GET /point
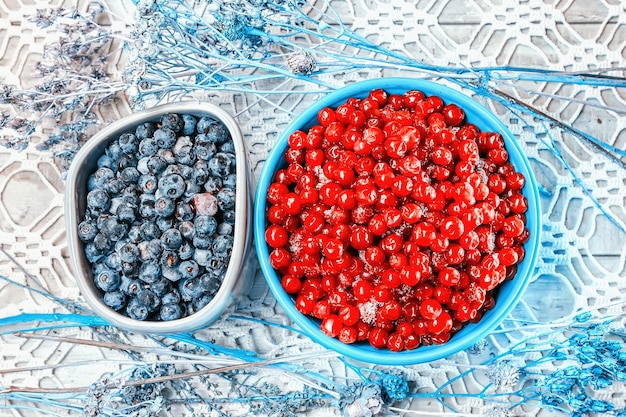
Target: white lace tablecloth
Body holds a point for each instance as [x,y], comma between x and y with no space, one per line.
[581,261]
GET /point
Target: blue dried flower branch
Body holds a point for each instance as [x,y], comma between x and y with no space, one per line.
[73,81]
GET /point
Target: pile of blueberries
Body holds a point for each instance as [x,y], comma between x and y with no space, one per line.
[159,223]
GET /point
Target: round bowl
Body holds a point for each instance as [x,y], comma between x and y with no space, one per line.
[509,292]
[235,281]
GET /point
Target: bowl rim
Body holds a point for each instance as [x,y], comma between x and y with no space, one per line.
[214,309]
[471,333]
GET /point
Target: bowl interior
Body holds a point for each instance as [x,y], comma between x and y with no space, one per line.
[85,162]
[509,292]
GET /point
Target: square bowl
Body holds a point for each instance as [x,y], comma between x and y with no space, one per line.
[234,282]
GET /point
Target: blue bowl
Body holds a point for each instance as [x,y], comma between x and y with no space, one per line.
[509,292]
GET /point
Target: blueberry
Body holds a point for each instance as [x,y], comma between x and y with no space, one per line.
[201,302]
[126,212]
[149,299]
[87,230]
[230,181]
[171,169]
[150,250]
[165,223]
[148,183]
[170,311]
[142,165]
[210,284]
[173,121]
[222,245]
[186,171]
[213,184]
[189,124]
[130,269]
[187,229]
[130,194]
[107,280]
[214,130]
[114,186]
[92,253]
[149,231]
[149,272]
[113,261]
[128,143]
[145,130]
[105,161]
[147,147]
[185,155]
[189,288]
[126,161]
[205,151]
[201,256]
[172,185]
[164,206]
[200,173]
[165,137]
[161,286]
[171,274]
[173,296]
[167,155]
[128,252]
[146,206]
[228,147]
[102,243]
[186,251]
[170,259]
[114,150]
[130,286]
[191,189]
[184,212]
[133,233]
[111,228]
[98,201]
[225,229]
[205,225]
[189,268]
[137,311]
[129,175]
[115,299]
[171,239]
[204,124]
[226,199]
[217,266]
[202,242]
[100,177]
[229,217]
[219,165]
[155,164]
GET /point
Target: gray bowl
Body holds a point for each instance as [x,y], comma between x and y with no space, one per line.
[236,281]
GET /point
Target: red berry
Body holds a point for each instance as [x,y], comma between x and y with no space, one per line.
[453,114]
[349,315]
[331,326]
[378,337]
[326,116]
[430,309]
[348,335]
[279,258]
[276,236]
[440,324]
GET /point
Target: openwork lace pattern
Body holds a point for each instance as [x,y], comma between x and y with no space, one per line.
[554,73]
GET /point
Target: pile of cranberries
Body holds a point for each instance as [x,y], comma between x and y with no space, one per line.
[395,220]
